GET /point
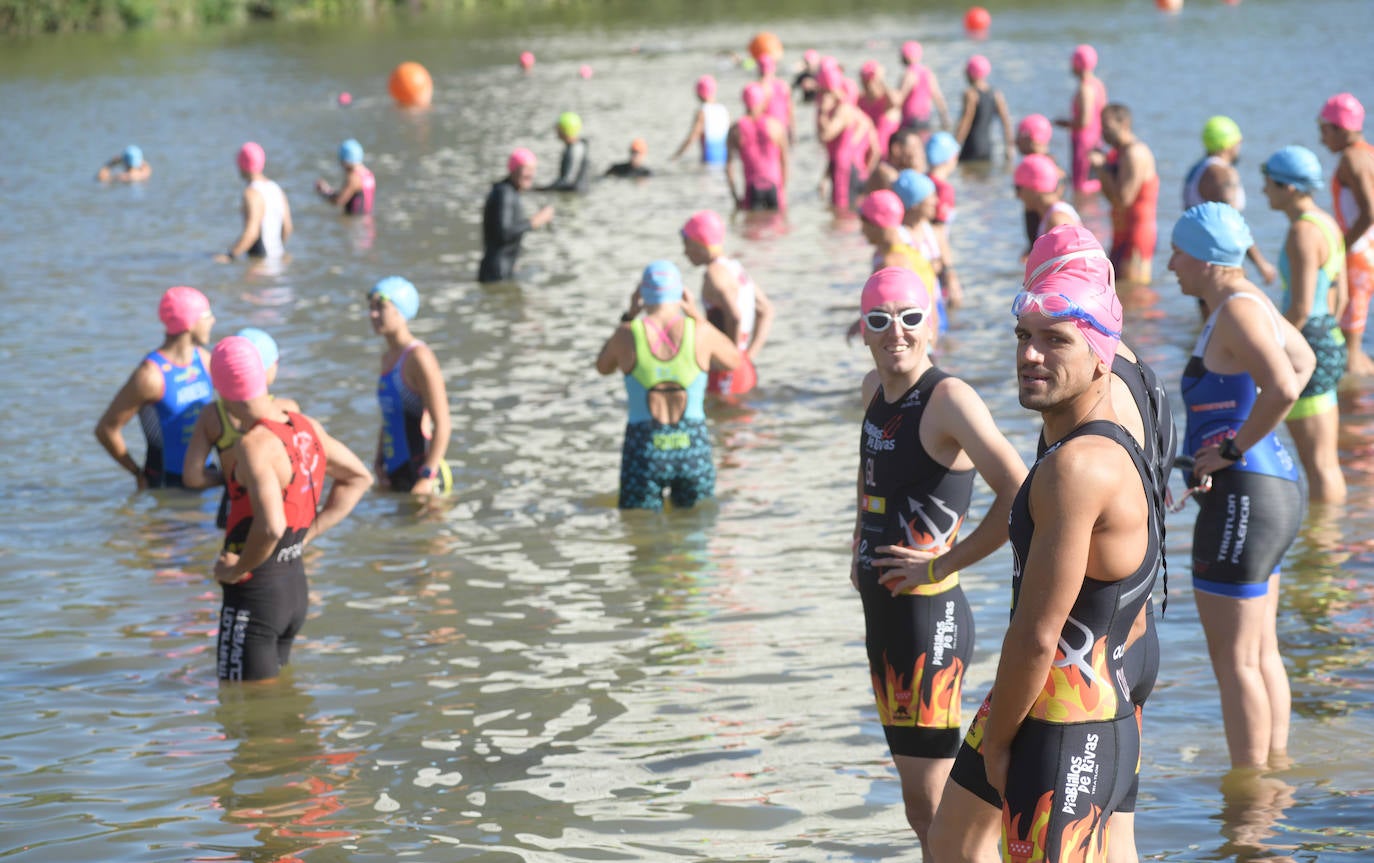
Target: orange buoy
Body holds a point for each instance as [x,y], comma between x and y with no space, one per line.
[765,43]
[977,19]
[527,60]
[1169,5]
[411,86]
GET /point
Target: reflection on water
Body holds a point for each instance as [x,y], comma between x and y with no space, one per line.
[521,672]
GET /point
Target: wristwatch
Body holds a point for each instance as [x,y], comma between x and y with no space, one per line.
[627,317]
[425,472]
[1230,451]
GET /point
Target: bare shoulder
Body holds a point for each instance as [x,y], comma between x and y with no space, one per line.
[1087,467]
[870,385]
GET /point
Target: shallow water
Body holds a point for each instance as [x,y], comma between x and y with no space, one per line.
[526,673]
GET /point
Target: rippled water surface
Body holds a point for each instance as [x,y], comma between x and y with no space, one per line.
[525,673]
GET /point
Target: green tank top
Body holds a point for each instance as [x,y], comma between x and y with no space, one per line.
[651,371]
[1327,274]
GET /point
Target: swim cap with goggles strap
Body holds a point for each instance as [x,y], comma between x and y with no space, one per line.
[660,283]
[1068,275]
[400,293]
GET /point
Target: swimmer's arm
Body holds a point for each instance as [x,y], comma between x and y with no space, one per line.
[716,346]
[1083,105]
[1339,296]
[428,381]
[721,291]
[937,96]
[1304,249]
[867,389]
[1361,185]
[253,207]
[1008,130]
[618,352]
[136,175]
[193,471]
[257,470]
[875,150]
[1110,180]
[965,422]
[342,197]
[142,387]
[1266,269]
[694,134]
[513,224]
[731,157]
[954,289]
[763,322]
[1067,497]
[287,227]
[966,118]
[829,127]
[351,481]
[378,462]
[784,154]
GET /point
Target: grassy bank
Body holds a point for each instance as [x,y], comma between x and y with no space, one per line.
[26,17]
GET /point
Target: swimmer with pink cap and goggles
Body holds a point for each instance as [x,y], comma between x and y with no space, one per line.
[1068,276]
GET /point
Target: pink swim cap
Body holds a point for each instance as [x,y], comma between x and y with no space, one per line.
[1036,127]
[1069,261]
[236,369]
[768,64]
[883,208]
[251,158]
[811,56]
[849,91]
[911,51]
[1084,58]
[180,308]
[519,158]
[868,70]
[1038,173]
[706,87]
[830,78]
[1344,111]
[894,284]
[705,227]
[754,96]
[978,67]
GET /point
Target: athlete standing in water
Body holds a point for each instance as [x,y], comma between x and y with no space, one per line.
[504,223]
[1131,185]
[982,103]
[759,143]
[166,392]
[275,490]
[574,169]
[710,126]
[924,435]
[354,197]
[1312,272]
[1040,186]
[1214,178]
[919,91]
[266,212]
[665,356]
[415,416]
[1085,117]
[735,305]
[1352,202]
[1086,544]
[905,151]
[1246,372]
[968,823]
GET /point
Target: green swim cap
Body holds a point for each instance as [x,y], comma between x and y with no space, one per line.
[570,124]
[1219,134]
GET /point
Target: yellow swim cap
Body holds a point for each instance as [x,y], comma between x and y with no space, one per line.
[1219,134]
[570,124]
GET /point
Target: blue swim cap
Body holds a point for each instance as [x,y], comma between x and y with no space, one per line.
[913,187]
[1295,166]
[266,345]
[400,293]
[941,148]
[351,152]
[133,157]
[1214,233]
[661,283]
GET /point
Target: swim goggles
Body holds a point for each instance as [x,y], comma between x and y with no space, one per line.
[878,321]
[1059,306]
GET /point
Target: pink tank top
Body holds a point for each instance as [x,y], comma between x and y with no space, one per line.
[916,108]
[759,153]
[779,101]
[362,200]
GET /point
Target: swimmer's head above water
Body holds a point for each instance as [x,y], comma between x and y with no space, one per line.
[520,168]
[252,159]
[706,88]
[1213,233]
[1084,59]
[399,292]
[1294,166]
[133,157]
[660,283]
[351,152]
[703,236]
[181,308]
[1220,134]
[569,126]
[1068,275]
[237,371]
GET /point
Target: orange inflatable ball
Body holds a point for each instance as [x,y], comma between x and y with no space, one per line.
[411,85]
[765,43]
[977,19]
[1169,5]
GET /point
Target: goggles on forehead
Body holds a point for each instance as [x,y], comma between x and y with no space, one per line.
[1059,306]
[878,321]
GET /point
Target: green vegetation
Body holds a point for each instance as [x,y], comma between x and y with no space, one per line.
[52,16]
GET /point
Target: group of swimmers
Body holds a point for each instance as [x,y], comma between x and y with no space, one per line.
[1048,768]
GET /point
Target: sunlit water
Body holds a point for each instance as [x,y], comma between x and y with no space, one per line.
[525,673]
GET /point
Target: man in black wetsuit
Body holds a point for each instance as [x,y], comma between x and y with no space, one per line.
[503,219]
[635,168]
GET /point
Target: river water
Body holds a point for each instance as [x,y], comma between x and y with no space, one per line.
[525,673]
